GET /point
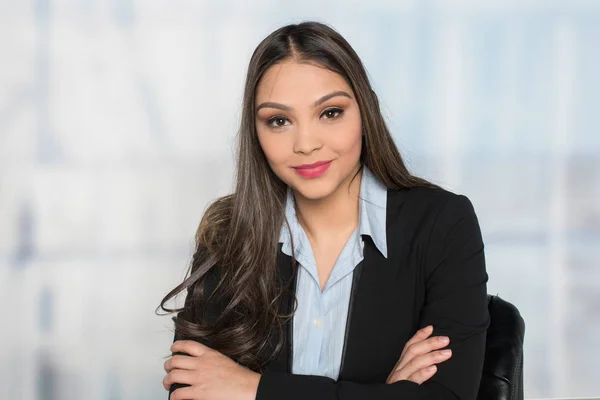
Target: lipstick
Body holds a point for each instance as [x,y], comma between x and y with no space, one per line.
[313,170]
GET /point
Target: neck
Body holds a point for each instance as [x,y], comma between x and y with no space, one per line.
[333,215]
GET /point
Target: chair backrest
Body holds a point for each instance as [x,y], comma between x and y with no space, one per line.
[502,377]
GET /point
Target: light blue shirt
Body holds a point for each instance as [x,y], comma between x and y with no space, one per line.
[320,320]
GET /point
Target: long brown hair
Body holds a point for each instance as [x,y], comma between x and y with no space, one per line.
[239,233]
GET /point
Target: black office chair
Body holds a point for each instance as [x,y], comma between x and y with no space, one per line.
[502,377]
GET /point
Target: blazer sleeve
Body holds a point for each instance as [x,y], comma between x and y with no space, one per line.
[456,306]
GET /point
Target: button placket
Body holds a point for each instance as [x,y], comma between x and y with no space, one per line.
[315,333]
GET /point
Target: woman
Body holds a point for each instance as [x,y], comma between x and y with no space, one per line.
[385,294]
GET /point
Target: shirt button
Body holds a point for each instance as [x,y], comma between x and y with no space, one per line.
[318,322]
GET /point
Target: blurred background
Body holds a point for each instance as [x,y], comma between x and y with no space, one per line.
[117,120]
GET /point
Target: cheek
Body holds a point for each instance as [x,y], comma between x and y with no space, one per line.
[347,142]
[276,149]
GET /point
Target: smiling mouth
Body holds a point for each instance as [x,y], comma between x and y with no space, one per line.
[313,165]
[313,170]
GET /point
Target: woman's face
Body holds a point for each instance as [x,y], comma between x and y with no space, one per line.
[309,127]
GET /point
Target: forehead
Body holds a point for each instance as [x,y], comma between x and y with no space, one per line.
[293,82]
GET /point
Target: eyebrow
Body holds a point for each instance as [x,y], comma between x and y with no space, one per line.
[270,104]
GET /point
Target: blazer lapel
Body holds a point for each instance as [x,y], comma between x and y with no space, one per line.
[283,361]
[354,289]
[290,325]
[362,289]
[380,317]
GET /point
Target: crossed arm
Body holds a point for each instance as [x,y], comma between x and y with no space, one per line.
[456,306]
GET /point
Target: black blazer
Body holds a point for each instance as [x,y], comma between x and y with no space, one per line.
[434,275]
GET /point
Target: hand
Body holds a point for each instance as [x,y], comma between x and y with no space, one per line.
[418,360]
[210,374]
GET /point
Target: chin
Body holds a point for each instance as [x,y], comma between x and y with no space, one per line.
[314,189]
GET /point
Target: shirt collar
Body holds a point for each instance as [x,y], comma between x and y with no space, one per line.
[371,219]
[373,210]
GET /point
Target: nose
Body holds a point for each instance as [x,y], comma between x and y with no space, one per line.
[307,139]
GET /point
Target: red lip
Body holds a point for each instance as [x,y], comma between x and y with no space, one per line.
[313,165]
[314,170]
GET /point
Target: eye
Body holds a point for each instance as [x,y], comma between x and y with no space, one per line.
[332,113]
[277,121]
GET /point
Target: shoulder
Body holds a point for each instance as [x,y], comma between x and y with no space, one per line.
[426,208]
[425,199]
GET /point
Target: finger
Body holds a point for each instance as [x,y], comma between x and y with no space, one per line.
[190,347]
[421,335]
[423,375]
[420,362]
[180,362]
[178,376]
[184,393]
[421,348]
[424,361]
[418,377]
[418,337]
[425,345]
